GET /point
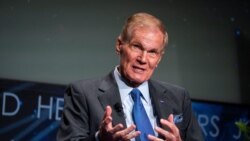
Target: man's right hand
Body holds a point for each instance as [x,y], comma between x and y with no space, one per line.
[108,132]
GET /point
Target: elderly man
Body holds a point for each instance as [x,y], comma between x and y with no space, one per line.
[127,104]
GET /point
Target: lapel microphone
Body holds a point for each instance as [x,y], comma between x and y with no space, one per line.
[118,108]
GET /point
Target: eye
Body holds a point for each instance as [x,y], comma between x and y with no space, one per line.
[153,53]
[136,47]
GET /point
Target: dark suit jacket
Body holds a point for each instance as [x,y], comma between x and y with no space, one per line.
[86,100]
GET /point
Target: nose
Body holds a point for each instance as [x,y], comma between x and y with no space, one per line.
[143,57]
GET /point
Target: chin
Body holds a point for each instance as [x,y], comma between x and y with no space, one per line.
[138,81]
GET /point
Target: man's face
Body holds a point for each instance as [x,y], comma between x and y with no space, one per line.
[140,55]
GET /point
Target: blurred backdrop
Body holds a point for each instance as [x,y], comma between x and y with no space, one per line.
[60,41]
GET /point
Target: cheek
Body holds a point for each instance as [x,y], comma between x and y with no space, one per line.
[126,60]
[129,58]
[153,64]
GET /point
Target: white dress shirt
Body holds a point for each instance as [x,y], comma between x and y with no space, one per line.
[127,101]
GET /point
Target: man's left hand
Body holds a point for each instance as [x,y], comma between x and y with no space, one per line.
[171,135]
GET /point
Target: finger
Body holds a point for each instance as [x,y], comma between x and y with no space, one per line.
[106,125]
[132,135]
[107,119]
[167,135]
[128,133]
[170,124]
[108,112]
[117,128]
[107,116]
[171,118]
[154,138]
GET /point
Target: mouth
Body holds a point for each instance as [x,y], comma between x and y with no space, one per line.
[138,69]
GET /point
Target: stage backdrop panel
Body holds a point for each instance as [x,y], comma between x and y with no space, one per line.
[31,111]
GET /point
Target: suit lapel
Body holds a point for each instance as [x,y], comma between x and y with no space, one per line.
[109,95]
[160,101]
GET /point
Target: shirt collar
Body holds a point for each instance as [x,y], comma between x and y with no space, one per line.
[125,89]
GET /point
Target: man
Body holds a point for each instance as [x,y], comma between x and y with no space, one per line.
[126,104]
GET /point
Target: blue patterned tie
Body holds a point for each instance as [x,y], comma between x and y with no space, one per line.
[140,117]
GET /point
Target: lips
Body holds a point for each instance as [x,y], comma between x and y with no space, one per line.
[138,69]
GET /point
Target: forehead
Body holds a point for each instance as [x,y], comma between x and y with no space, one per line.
[150,37]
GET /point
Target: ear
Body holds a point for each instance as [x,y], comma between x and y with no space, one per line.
[118,45]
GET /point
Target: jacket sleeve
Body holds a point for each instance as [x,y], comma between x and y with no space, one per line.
[193,131]
[74,125]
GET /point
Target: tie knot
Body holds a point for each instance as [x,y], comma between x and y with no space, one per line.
[135,93]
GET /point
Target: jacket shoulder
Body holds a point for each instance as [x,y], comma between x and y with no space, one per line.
[168,86]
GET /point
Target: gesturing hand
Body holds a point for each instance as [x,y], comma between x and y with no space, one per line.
[171,135]
[108,132]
